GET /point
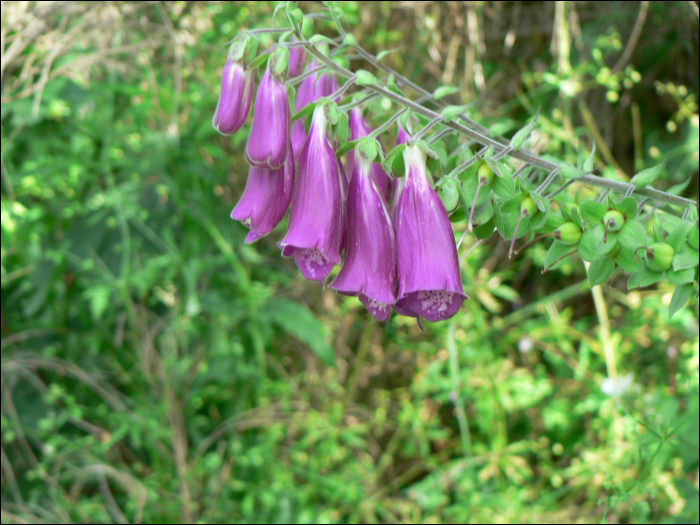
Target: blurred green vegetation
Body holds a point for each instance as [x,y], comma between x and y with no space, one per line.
[157,369]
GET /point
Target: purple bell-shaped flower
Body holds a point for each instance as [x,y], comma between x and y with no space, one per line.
[430,284]
[266,199]
[269,140]
[236,92]
[370,259]
[360,129]
[309,91]
[298,57]
[316,217]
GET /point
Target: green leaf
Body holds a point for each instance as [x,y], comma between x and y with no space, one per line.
[343,127]
[444,91]
[686,258]
[305,111]
[576,216]
[513,204]
[645,277]
[658,231]
[498,221]
[346,147]
[556,251]
[681,295]
[435,167]
[632,235]
[589,246]
[600,270]
[393,161]
[450,112]
[486,230]
[593,211]
[522,134]
[483,213]
[386,52]
[365,78]
[503,186]
[625,260]
[676,239]
[567,171]
[260,61]
[628,207]
[681,276]
[588,163]
[448,192]
[649,175]
[298,320]
[677,189]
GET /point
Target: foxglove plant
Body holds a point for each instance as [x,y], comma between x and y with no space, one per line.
[236,88]
[266,199]
[269,141]
[370,260]
[492,182]
[430,285]
[315,232]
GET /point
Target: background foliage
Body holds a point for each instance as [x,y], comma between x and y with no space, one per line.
[155,368]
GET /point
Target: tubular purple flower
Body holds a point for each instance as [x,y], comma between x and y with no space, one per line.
[316,217]
[309,91]
[430,285]
[370,260]
[266,199]
[269,140]
[235,98]
[360,129]
[297,60]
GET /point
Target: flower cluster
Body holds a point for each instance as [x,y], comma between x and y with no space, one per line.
[392,236]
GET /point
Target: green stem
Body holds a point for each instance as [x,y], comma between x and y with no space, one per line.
[457,398]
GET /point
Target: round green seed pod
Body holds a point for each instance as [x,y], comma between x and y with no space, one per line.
[528,207]
[568,233]
[485,174]
[614,220]
[659,257]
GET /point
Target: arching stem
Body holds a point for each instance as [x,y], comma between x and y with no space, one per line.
[558,260]
[538,238]
[515,233]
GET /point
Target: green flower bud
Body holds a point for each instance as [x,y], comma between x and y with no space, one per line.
[307,28]
[614,220]
[659,257]
[568,233]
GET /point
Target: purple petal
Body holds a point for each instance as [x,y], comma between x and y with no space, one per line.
[370,260]
[266,199]
[430,284]
[315,219]
[269,140]
[235,98]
